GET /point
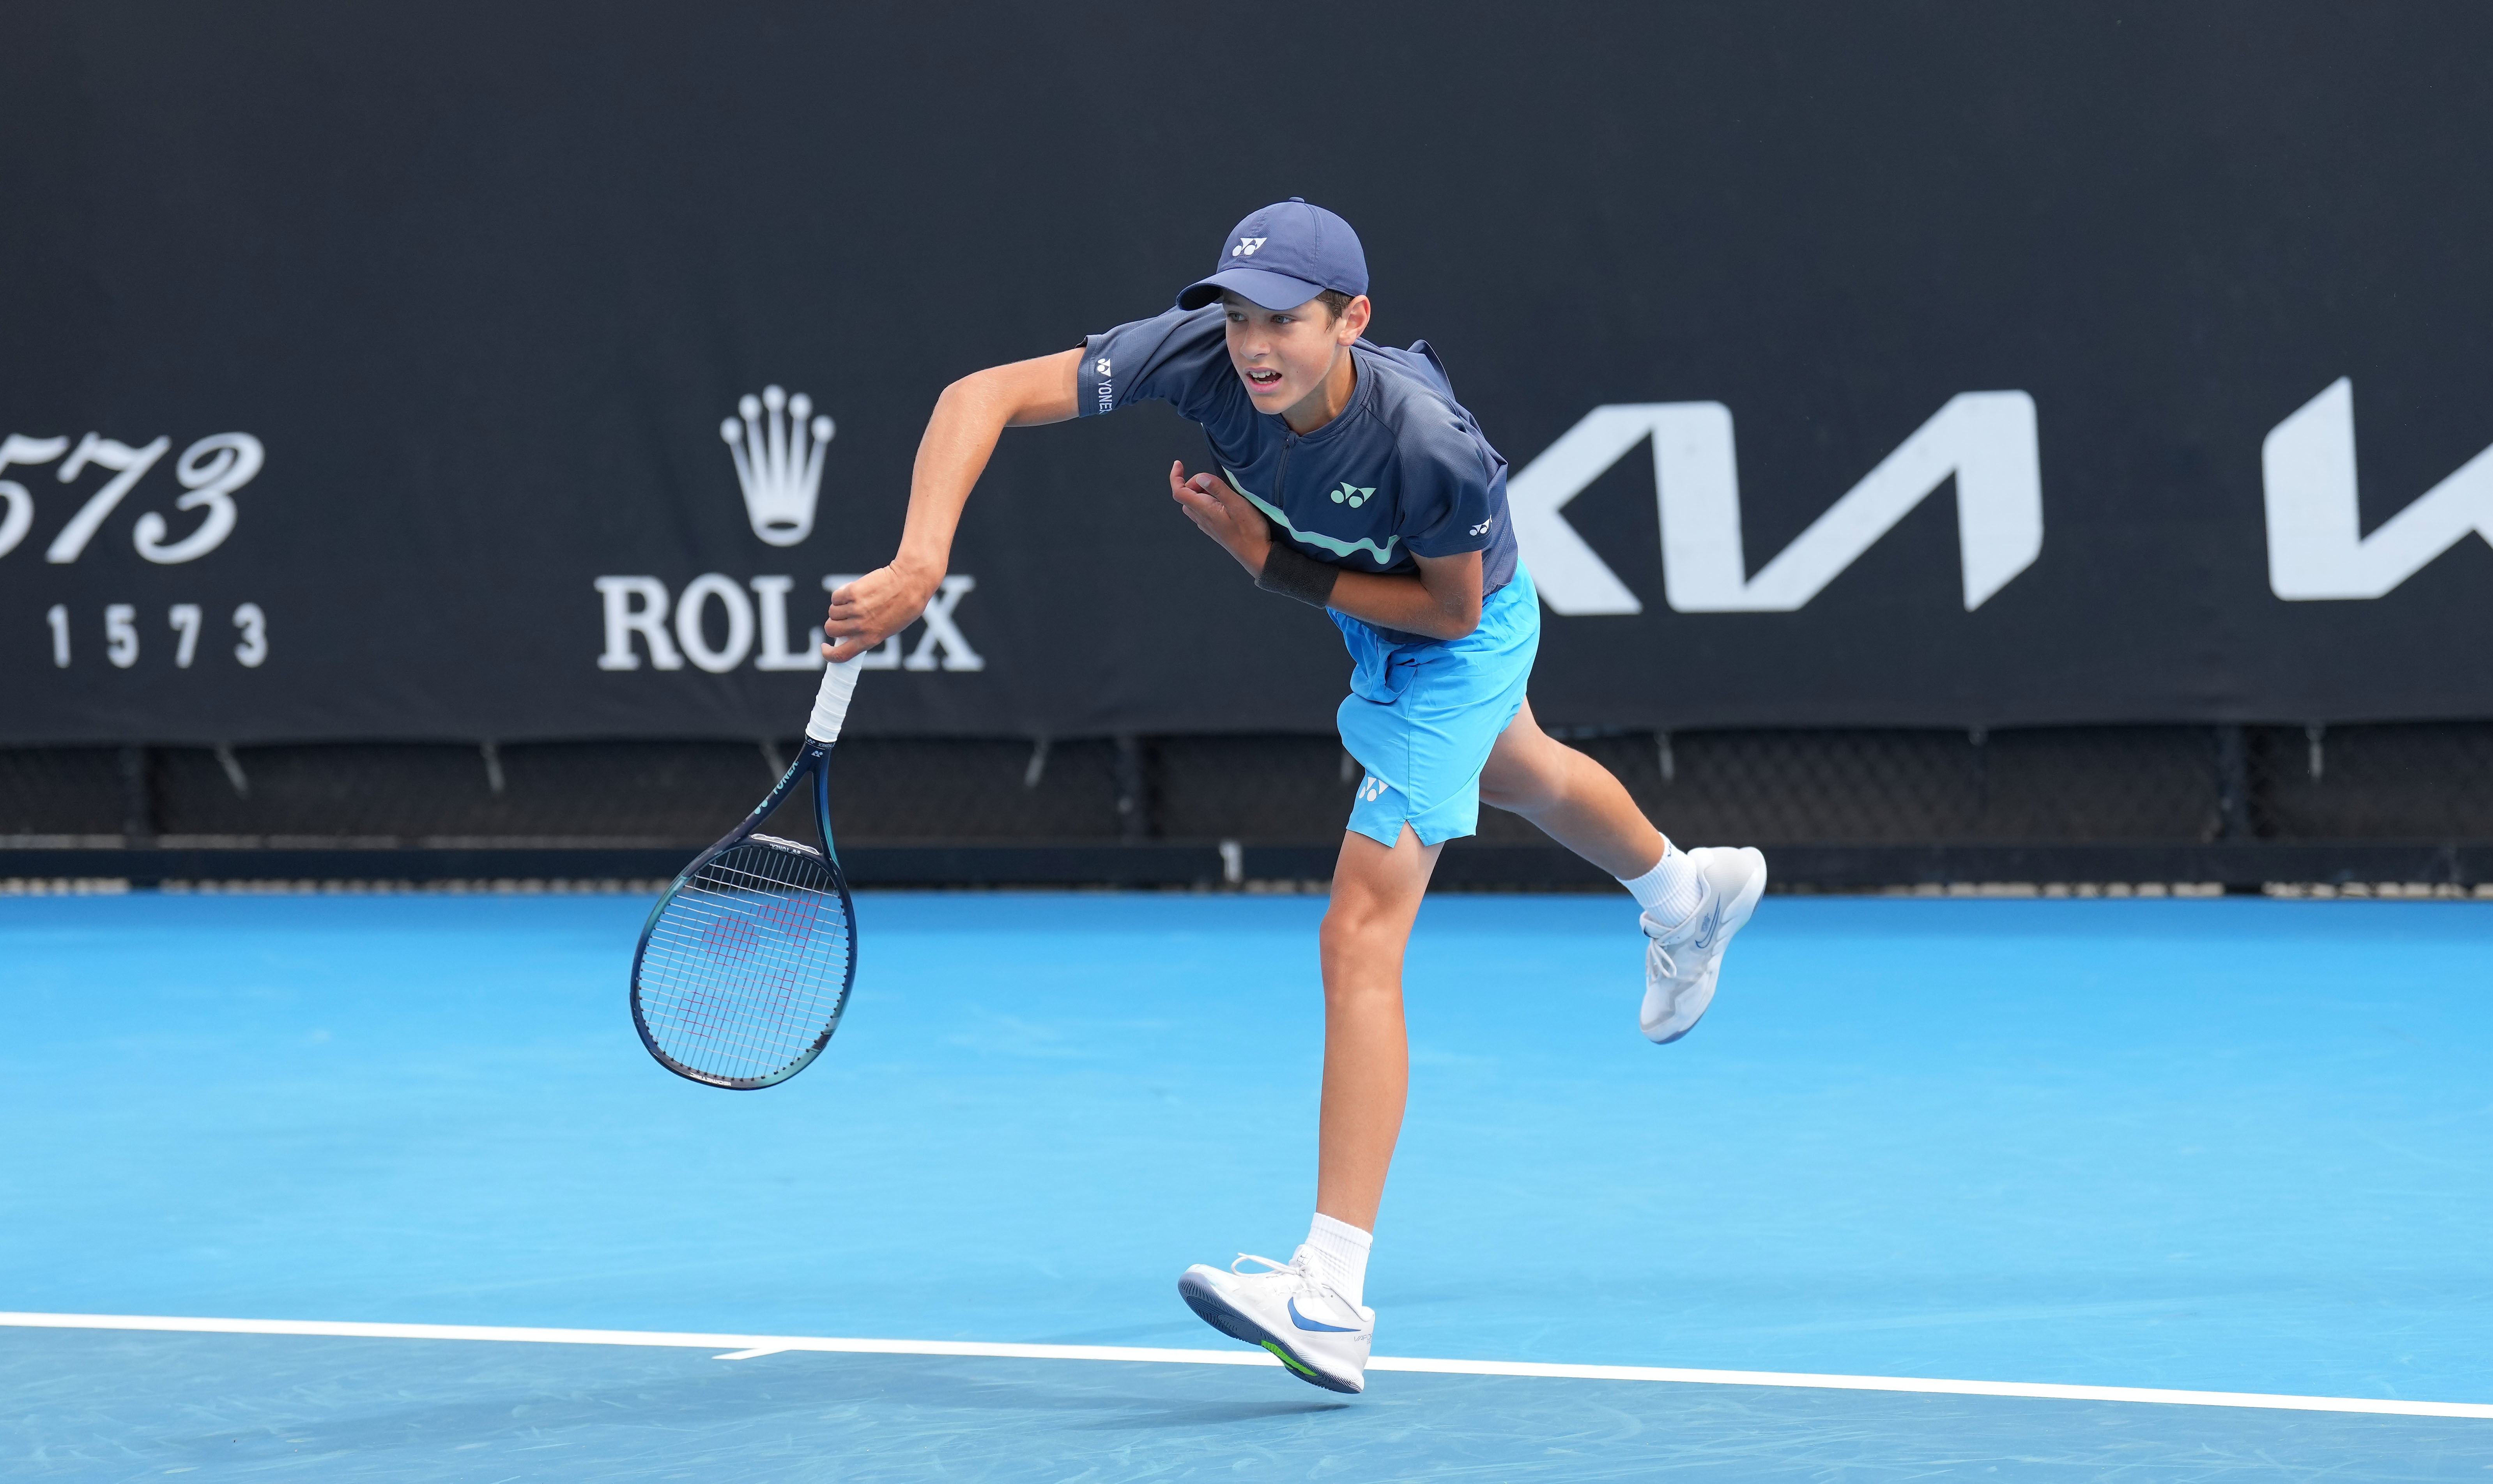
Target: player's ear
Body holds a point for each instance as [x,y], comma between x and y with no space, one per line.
[1354,320]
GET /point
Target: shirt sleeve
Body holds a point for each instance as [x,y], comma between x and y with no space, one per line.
[1180,358]
[1447,504]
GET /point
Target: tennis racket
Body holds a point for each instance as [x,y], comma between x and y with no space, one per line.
[745,963]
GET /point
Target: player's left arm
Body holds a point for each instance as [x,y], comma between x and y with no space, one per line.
[1441,600]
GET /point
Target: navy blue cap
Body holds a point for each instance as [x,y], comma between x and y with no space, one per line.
[1283,257]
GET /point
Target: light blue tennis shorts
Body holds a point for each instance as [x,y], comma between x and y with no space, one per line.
[1421,718]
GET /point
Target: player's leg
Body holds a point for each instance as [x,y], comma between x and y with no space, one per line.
[1575,800]
[1423,718]
[1376,892]
[1309,1312]
[1692,902]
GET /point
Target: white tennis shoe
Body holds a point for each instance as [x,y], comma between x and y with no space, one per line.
[1682,960]
[1321,1336]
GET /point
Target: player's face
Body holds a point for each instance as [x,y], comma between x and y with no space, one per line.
[1284,355]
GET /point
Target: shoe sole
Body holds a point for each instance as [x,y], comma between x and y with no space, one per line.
[1743,908]
[1208,1307]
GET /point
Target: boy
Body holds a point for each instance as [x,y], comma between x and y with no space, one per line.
[1350,479]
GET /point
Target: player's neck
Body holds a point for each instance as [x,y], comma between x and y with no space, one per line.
[1327,402]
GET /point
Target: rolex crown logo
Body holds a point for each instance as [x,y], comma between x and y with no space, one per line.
[779,462]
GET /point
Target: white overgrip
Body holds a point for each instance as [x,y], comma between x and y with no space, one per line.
[832,702]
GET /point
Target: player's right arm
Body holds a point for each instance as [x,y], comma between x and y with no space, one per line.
[960,437]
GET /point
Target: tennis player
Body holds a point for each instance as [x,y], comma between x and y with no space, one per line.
[1346,476]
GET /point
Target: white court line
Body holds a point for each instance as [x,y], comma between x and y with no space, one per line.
[750,1346]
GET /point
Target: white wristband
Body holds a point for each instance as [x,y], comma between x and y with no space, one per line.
[832,702]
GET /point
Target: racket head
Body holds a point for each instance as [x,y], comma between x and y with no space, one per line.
[744,966]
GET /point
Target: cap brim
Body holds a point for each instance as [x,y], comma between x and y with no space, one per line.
[1272,290]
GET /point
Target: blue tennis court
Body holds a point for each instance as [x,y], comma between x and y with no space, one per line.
[2236,1146]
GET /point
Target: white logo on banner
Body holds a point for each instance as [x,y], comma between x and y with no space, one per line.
[779,465]
[1984,439]
[209,472]
[2316,545]
[779,462]
[675,627]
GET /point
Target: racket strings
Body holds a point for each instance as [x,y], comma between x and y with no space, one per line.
[747,966]
[754,992]
[741,990]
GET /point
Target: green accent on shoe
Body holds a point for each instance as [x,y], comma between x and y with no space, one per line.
[1287,1358]
[1334,544]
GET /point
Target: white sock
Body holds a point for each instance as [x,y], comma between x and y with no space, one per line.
[1339,1253]
[1672,889]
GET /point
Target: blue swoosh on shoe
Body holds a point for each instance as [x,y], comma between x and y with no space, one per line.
[1304,1322]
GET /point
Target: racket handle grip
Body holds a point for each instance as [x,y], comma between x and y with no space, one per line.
[832,702]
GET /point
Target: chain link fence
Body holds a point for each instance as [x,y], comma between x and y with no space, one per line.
[2427,781]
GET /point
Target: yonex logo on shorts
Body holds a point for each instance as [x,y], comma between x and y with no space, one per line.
[1247,247]
[1103,366]
[1371,788]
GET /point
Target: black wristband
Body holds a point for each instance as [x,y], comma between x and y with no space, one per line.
[1293,574]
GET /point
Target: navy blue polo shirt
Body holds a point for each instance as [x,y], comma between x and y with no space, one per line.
[1402,472]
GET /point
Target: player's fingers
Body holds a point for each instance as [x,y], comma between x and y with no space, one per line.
[1212,525]
[865,589]
[855,633]
[1233,506]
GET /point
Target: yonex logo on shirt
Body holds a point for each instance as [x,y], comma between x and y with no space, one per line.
[1247,247]
[1482,529]
[1352,495]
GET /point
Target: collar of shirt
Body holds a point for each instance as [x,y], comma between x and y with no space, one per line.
[1363,392]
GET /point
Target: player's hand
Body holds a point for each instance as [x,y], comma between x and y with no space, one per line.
[872,609]
[1223,514]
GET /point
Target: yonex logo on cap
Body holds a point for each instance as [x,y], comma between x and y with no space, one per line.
[1287,253]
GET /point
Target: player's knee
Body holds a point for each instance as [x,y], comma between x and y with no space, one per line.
[1361,983]
[1346,928]
[1357,926]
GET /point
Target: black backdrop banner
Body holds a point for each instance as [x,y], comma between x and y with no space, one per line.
[409,371]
